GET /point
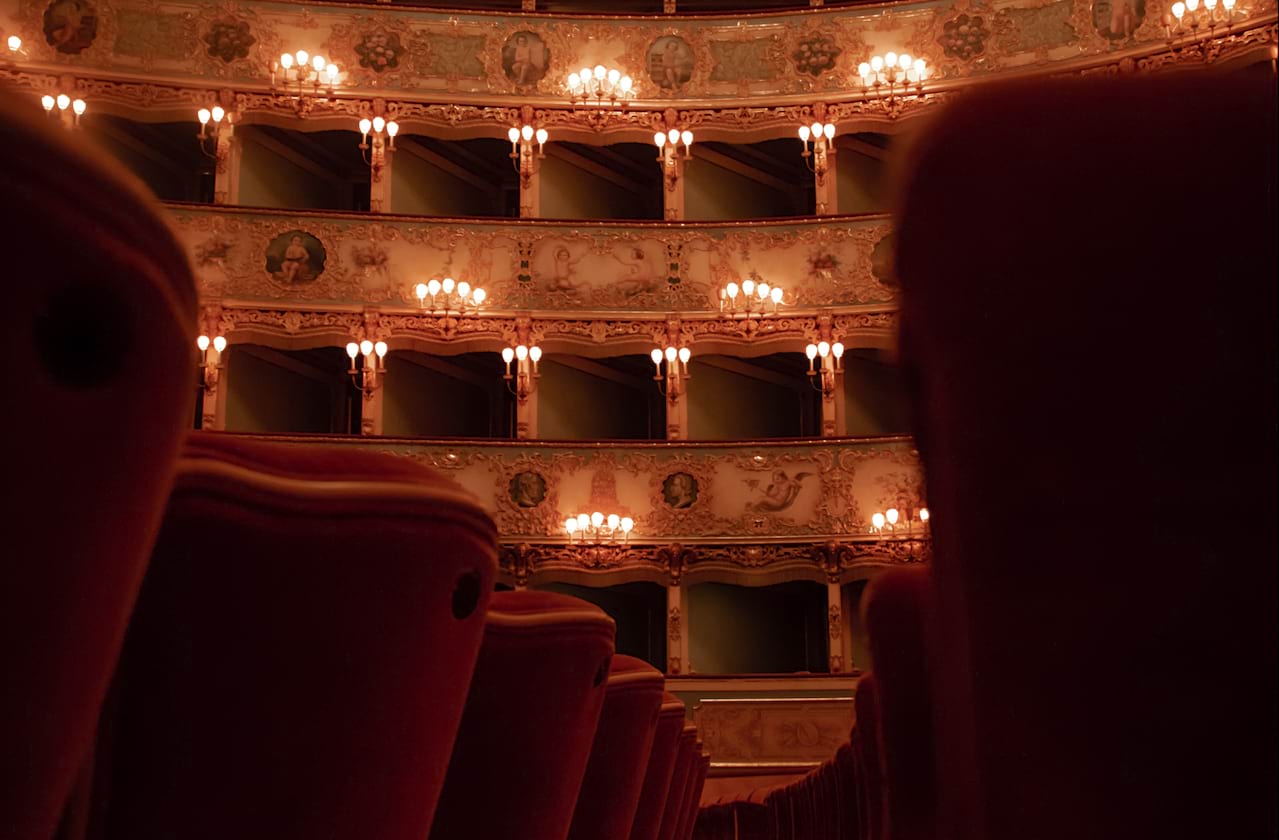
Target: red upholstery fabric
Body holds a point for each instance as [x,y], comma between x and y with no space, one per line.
[530,720]
[1089,322]
[693,793]
[661,767]
[619,755]
[684,764]
[98,350]
[288,637]
[895,609]
[866,757]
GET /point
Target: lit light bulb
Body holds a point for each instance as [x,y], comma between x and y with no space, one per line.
[574,81]
[731,288]
[613,521]
[671,354]
[686,137]
[890,59]
[614,76]
[463,289]
[748,286]
[627,524]
[762,290]
[920,67]
[597,519]
[903,61]
[585,74]
[352,350]
[392,128]
[202,342]
[47,102]
[478,296]
[380,348]
[685,354]
[863,70]
[583,521]
[219,343]
[78,106]
[600,72]
[823,348]
[217,113]
[507,354]
[365,125]
[542,134]
[1178,9]
[447,285]
[811,352]
[378,124]
[286,61]
[804,133]
[521,352]
[535,353]
[63,101]
[433,287]
[15,43]
[923,514]
[777,294]
[203,116]
[656,356]
[673,135]
[513,135]
[626,84]
[570,525]
[366,347]
[302,57]
[332,72]
[891,515]
[420,290]
[1192,5]
[876,64]
[829,131]
[837,349]
[877,520]
[527,133]
[659,139]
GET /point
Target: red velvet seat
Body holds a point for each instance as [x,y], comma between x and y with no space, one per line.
[99,355]
[619,755]
[1089,297]
[661,767]
[693,793]
[298,660]
[866,758]
[530,720]
[685,763]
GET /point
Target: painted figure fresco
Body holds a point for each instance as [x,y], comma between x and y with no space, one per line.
[670,62]
[228,40]
[70,26]
[528,489]
[679,490]
[882,261]
[1117,20]
[780,494]
[295,257]
[525,58]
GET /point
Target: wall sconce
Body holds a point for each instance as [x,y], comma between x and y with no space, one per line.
[600,85]
[753,298]
[823,136]
[383,133]
[522,154]
[1193,14]
[449,298]
[830,366]
[70,109]
[894,522]
[210,363]
[299,71]
[14,43]
[368,377]
[598,528]
[212,122]
[672,384]
[667,153]
[892,74]
[524,381]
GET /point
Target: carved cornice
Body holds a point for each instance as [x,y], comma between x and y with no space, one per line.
[674,564]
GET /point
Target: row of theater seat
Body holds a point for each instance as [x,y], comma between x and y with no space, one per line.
[346,671]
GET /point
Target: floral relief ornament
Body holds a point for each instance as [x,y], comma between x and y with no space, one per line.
[816,54]
[964,36]
[379,50]
[228,39]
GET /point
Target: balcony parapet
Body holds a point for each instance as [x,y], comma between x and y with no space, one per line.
[753,512]
[614,284]
[460,73]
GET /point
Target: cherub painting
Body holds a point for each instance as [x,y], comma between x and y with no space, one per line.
[70,26]
[525,57]
[565,265]
[780,493]
[295,257]
[641,274]
[670,62]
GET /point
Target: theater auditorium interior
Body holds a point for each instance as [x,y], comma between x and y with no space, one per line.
[644,420]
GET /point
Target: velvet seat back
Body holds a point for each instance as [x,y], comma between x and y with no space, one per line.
[693,793]
[298,660]
[661,766]
[530,720]
[685,758]
[99,366]
[1089,296]
[614,777]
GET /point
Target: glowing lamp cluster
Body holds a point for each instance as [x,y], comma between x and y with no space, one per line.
[216,115]
[752,297]
[816,131]
[598,527]
[892,520]
[379,126]
[892,70]
[65,105]
[527,134]
[673,138]
[369,376]
[14,43]
[210,360]
[1193,14]
[449,296]
[523,382]
[599,85]
[825,362]
[302,67]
